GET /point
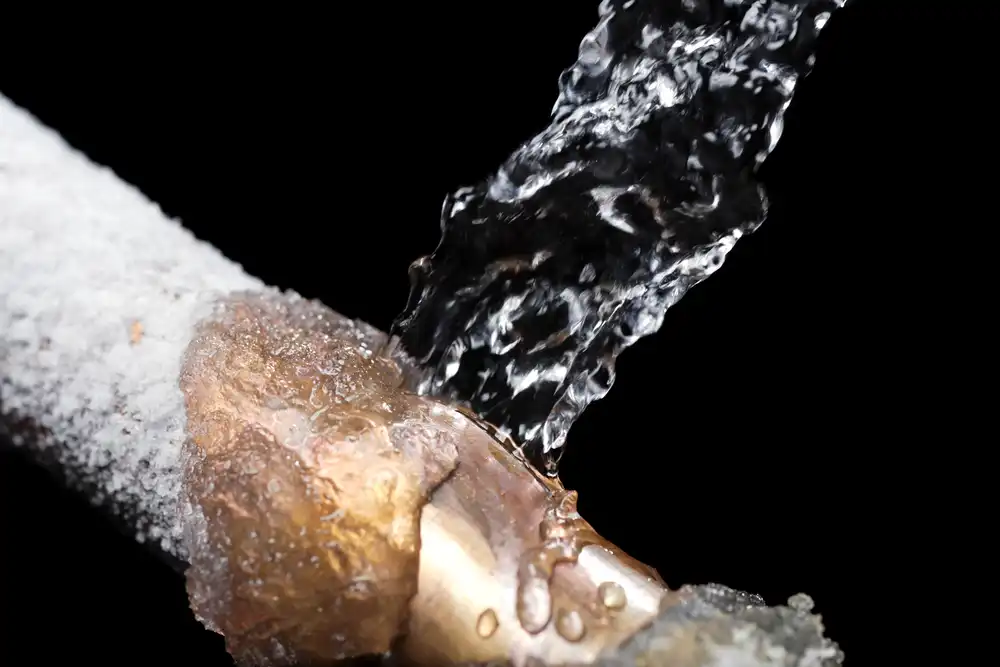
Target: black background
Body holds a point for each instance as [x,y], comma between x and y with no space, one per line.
[747,443]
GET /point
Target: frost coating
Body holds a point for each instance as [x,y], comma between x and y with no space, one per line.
[309,466]
[637,190]
[716,626]
[100,294]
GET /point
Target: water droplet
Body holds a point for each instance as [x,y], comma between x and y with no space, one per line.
[612,595]
[569,625]
[801,603]
[564,534]
[534,605]
[487,624]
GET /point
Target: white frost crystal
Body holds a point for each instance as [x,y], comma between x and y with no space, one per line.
[99,296]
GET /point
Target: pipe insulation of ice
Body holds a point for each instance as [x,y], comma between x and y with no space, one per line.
[99,296]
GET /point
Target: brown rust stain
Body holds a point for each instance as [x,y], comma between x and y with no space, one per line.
[135,332]
[307,469]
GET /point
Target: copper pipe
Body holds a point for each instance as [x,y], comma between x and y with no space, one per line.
[335,512]
[442,551]
[482,526]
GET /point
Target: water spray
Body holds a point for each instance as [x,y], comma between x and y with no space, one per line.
[326,493]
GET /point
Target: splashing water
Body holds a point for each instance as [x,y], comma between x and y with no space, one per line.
[637,190]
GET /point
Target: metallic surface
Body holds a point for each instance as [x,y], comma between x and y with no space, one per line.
[475,531]
[333,513]
[307,468]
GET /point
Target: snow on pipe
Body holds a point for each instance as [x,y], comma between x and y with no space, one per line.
[188,398]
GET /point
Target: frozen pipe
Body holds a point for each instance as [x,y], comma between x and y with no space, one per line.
[261,441]
[99,297]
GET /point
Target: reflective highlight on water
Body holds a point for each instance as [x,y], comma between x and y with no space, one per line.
[487,624]
[570,625]
[637,190]
[612,595]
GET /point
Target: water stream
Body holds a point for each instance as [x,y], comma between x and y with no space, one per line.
[636,191]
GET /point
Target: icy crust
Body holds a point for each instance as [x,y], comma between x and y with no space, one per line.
[99,297]
[308,467]
[716,626]
[637,190]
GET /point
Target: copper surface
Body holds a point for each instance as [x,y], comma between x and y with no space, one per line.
[335,514]
[475,532]
[308,468]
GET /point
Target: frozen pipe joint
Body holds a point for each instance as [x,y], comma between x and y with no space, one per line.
[307,470]
[320,509]
[310,470]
